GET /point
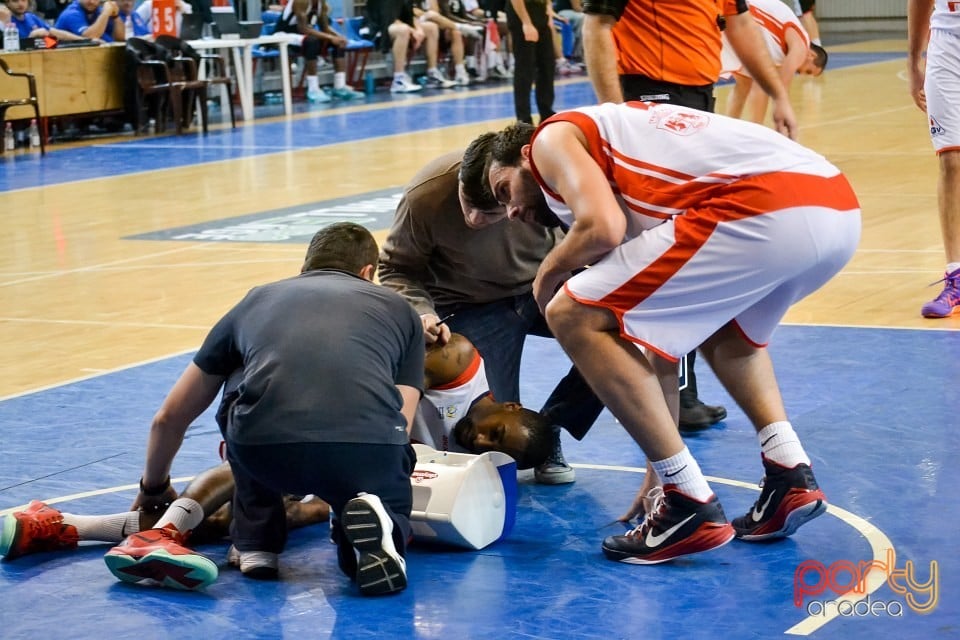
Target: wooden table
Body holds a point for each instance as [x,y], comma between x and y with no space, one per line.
[69,81]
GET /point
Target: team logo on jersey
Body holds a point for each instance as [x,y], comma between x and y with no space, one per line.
[451,411]
[420,475]
[682,123]
[935,128]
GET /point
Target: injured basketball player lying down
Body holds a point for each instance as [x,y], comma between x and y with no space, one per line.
[464,485]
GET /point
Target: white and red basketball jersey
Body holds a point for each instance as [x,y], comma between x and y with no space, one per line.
[662,159]
[946,16]
[442,407]
[775,20]
[726,221]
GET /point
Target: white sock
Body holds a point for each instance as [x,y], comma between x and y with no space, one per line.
[433,72]
[183,513]
[460,71]
[339,79]
[313,83]
[399,76]
[779,443]
[111,528]
[683,471]
[953,266]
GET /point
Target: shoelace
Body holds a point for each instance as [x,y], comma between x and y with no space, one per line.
[951,292]
[45,526]
[651,518]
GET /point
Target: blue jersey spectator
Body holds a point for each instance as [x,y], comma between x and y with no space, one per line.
[88,19]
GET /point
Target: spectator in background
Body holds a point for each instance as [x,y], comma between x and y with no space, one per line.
[532,35]
[572,12]
[428,13]
[392,25]
[90,19]
[145,11]
[311,19]
[141,28]
[30,24]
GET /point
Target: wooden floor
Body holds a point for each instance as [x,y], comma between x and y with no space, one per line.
[79,297]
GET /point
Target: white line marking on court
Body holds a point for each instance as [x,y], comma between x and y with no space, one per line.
[877,539]
[100,323]
[88,494]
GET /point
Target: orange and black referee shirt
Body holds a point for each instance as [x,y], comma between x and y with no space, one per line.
[675,41]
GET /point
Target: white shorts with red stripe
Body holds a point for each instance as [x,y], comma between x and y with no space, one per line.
[673,286]
[942,88]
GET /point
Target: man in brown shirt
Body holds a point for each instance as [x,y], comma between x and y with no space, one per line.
[483,277]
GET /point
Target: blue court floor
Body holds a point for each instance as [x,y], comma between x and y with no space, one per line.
[877,410]
[882,438]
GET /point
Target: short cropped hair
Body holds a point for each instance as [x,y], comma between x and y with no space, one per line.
[509,142]
[819,56]
[473,172]
[541,442]
[342,245]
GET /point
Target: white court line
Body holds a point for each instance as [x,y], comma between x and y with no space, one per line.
[878,540]
[102,323]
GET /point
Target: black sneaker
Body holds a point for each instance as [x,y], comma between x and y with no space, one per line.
[677,526]
[698,416]
[790,498]
[368,527]
[555,470]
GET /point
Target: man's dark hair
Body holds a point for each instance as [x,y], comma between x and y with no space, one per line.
[541,442]
[473,172]
[819,55]
[507,144]
[342,245]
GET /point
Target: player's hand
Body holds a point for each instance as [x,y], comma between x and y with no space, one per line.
[151,500]
[545,286]
[916,74]
[433,331]
[643,502]
[784,120]
[111,9]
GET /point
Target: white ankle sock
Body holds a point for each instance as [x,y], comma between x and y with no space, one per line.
[110,528]
[683,471]
[339,79]
[183,513]
[953,266]
[779,443]
[313,83]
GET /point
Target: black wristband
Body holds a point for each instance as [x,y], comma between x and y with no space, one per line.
[152,491]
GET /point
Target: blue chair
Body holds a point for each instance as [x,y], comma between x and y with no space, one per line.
[260,51]
[566,37]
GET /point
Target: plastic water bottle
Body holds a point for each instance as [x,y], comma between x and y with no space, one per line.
[9,142]
[128,26]
[11,37]
[152,127]
[369,85]
[34,134]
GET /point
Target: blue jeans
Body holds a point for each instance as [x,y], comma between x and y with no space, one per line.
[498,330]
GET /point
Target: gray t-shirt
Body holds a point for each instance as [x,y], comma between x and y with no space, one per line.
[321,354]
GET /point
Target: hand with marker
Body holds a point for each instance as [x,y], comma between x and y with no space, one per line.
[435,328]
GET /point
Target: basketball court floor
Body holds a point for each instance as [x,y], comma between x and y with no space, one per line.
[116,257]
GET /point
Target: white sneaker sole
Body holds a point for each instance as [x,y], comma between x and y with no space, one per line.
[380,570]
